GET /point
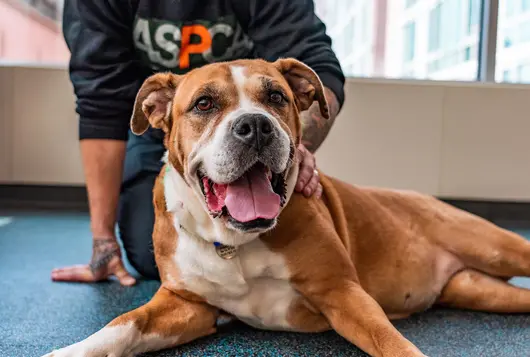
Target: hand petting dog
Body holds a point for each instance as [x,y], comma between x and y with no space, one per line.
[308,179]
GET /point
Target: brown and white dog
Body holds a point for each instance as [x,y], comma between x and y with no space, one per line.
[231,237]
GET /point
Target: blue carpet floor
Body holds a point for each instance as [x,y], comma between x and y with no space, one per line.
[37,315]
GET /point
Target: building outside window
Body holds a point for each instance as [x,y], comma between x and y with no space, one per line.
[435,39]
[445,43]
[513,40]
[30,32]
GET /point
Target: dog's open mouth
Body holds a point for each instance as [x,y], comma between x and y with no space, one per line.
[253,200]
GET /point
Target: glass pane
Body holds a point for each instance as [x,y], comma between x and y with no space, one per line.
[513,42]
[422,39]
[409,3]
[30,32]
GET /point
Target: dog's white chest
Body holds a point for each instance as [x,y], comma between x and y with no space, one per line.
[253,286]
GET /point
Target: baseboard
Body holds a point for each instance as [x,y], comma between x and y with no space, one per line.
[74,198]
[505,213]
[43,197]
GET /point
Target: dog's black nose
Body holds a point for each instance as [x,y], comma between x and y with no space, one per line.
[255,130]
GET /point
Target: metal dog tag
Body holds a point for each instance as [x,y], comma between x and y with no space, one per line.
[226,251]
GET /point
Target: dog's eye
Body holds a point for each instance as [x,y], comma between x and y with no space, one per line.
[275,97]
[204,104]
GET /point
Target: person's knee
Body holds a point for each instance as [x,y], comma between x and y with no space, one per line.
[144,263]
[135,222]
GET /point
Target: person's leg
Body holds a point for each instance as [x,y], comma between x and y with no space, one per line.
[135,224]
[136,212]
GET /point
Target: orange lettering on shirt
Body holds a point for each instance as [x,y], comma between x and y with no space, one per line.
[186,48]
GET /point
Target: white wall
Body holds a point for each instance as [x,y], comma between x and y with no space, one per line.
[38,127]
[459,140]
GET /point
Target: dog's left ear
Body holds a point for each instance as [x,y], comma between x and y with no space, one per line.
[153,103]
[304,83]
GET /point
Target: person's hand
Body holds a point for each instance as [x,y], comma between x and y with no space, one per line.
[308,178]
[106,262]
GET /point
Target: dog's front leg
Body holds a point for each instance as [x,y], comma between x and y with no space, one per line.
[356,316]
[167,320]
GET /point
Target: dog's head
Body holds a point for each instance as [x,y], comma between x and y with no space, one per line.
[231,131]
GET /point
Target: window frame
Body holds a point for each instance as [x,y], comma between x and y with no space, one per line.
[487,46]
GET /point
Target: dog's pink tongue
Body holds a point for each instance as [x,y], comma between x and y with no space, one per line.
[251,197]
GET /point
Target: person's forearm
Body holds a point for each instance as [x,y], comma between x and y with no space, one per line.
[315,128]
[103,167]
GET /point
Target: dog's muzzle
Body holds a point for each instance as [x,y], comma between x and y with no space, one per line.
[244,178]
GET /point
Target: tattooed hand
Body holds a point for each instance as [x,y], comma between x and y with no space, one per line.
[106,261]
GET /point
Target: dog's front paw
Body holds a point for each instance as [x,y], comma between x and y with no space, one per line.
[78,350]
[87,348]
[412,352]
[117,341]
[69,351]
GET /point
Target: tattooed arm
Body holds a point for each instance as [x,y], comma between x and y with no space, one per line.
[315,128]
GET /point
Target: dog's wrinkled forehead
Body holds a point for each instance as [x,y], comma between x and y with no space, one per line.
[233,84]
[250,73]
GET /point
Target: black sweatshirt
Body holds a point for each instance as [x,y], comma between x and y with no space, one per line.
[116,44]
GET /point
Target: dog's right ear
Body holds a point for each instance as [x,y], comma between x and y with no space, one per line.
[153,103]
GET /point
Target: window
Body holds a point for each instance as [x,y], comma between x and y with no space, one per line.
[523,73]
[511,7]
[507,41]
[434,28]
[409,3]
[507,76]
[38,37]
[524,32]
[435,39]
[409,41]
[513,41]
[350,36]
[473,15]
[46,8]
[365,23]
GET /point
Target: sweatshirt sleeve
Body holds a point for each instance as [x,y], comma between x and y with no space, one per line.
[102,69]
[291,28]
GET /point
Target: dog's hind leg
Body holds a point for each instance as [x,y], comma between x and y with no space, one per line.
[167,320]
[483,246]
[473,290]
